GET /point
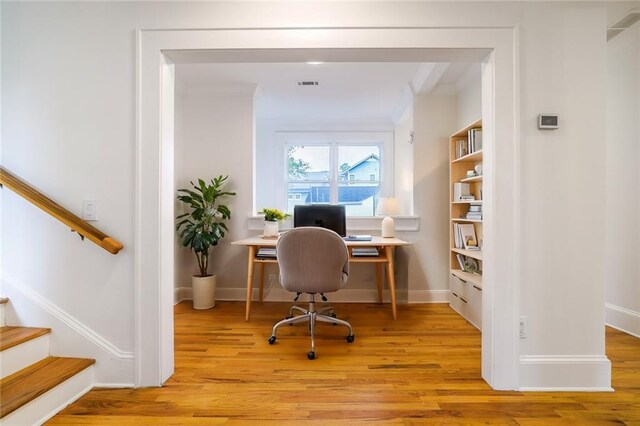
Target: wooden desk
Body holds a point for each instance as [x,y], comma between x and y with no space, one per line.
[385,248]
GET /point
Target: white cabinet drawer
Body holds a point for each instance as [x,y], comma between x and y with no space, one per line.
[458,286]
[474,307]
[459,304]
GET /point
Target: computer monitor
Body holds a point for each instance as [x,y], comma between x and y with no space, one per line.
[323,215]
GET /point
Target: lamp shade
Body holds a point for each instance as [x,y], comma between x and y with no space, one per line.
[388,206]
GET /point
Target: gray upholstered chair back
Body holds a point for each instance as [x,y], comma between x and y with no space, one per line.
[312,260]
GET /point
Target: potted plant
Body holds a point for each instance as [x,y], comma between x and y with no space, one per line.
[271,219]
[202,228]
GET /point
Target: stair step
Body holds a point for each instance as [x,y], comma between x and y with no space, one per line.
[3,301]
[29,383]
[12,336]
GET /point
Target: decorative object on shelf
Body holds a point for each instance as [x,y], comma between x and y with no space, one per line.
[271,219]
[478,169]
[202,228]
[388,206]
[470,265]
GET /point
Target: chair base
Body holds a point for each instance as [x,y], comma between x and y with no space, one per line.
[312,316]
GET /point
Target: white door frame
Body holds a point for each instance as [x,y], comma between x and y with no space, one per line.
[155,234]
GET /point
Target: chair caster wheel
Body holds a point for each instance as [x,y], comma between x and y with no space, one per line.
[351,338]
[272,340]
[311,355]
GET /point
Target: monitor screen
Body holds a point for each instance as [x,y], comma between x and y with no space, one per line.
[324,215]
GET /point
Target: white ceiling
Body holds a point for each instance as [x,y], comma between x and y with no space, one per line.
[346,91]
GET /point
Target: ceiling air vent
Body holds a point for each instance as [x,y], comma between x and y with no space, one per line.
[628,20]
[307,83]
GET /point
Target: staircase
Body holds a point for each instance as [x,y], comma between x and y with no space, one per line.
[34,385]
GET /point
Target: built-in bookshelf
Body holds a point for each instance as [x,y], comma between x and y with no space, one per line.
[465,224]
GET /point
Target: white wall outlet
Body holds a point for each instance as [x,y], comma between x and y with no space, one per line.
[90,210]
[523,327]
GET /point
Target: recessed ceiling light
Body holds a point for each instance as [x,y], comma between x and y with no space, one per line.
[315,62]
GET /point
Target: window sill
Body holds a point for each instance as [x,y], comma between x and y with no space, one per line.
[354,223]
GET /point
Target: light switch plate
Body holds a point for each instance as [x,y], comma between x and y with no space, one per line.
[90,210]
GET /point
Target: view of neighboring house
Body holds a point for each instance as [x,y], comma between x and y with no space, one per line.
[358,188]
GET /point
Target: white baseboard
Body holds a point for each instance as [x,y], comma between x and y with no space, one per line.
[429,296]
[278,294]
[69,336]
[588,373]
[622,319]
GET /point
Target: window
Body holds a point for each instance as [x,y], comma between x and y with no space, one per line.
[345,173]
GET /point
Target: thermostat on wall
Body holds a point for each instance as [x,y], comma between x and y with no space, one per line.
[547,121]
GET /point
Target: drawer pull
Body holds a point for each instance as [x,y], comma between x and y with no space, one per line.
[455,295]
[462,280]
[463,300]
[477,288]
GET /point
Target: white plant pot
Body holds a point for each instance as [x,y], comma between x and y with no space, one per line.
[270,228]
[204,292]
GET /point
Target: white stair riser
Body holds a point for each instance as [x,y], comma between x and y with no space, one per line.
[21,356]
[52,401]
[2,317]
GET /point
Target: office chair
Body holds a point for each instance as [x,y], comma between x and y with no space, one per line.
[312,260]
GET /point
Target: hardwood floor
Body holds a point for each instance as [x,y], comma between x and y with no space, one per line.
[422,368]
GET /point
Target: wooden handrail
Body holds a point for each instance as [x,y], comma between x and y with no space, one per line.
[41,201]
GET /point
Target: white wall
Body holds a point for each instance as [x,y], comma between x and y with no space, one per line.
[623,176]
[434,119]
[469,93]
[69,128]
[403,158]
[216,138]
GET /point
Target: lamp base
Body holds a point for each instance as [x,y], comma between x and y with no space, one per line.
[388,227]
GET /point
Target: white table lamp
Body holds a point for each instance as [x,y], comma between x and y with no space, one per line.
[388,206]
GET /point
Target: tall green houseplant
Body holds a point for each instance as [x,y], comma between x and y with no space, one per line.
[204,226]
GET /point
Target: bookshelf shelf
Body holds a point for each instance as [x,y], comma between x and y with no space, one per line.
[474,156]
[463,219]
[476,254]
[465,155]
[467,202]
[472,179]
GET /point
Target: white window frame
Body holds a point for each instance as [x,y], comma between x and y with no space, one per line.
[352,177]
[384,141]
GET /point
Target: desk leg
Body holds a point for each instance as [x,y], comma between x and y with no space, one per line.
[260,280]
[379,278]
[391,279]
[252,256]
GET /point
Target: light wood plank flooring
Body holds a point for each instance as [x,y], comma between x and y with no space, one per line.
[422,368]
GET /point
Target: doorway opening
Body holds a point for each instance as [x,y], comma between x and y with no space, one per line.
[161,50]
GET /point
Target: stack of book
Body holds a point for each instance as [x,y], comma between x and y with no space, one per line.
[462,192]
[465,236]
[475,212]
[474,140]
[266,253]
[461,148]
[365,252]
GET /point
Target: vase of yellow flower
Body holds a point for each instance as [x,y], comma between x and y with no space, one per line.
[272,219]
